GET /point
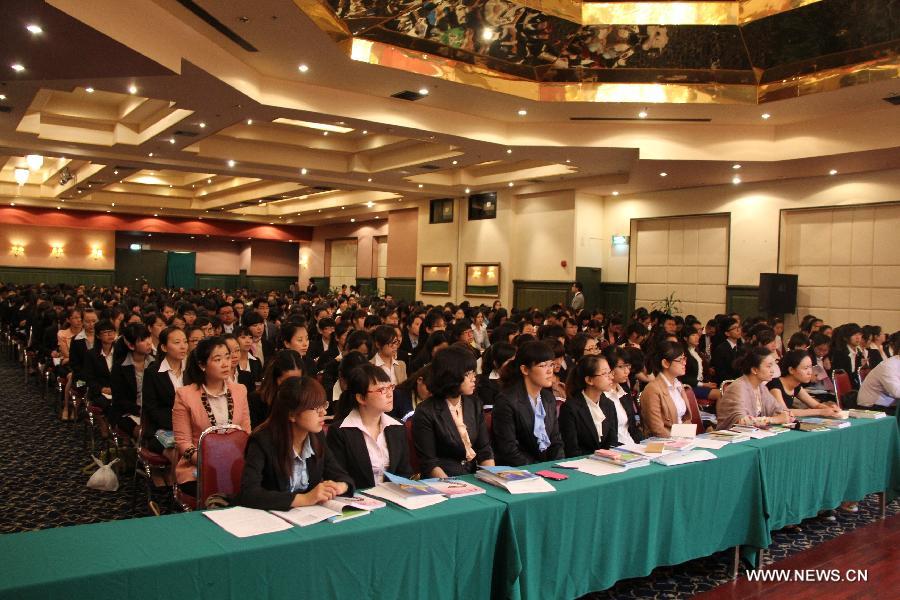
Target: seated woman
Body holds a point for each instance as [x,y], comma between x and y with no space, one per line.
[627,409]
[161,379]
[693,373]
[130,357]
[747,401]
[287,463]
[386,343]
[449,430]
[587,419]
[366,441]
[582,345]
[284,364]
[249,369]
[98,364]
[525,423]
[796,366]
[411,393]
[295,337]
[207,400]
[875,352]
[487,384]
[663,401]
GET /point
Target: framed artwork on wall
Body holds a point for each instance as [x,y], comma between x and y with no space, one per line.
[436,279]
[483,279]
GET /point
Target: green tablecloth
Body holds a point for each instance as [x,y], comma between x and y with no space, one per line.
[444,551]
[805,472]
[594,531]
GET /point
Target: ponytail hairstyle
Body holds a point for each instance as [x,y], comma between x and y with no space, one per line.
[667,351]
[586,367]
[497,354]
[792,360]
[529,354]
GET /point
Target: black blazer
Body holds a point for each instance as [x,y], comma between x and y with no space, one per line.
[264,486]
[840,359]
[577,428]
[513,423]
[406,351]
[723,362]
[438,442]
[691,370]
[631,409]
[158,399]
[349,449]
[874,357]
[487,389]
[317,351]
[124,391]
[403,403]
[77,351]
[97,376]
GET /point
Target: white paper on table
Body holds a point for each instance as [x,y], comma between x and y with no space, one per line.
[684,430]
[593,467]
[306,515]
[709,444]
[412,502]
[241,521]
[683,458]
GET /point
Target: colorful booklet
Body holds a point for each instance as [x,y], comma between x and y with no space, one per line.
[801,426]
[620,458]
[514,481]
[860,413]
[454,488]
[829,423]
[356,502]
[732,437]
[755,433]
[406,492]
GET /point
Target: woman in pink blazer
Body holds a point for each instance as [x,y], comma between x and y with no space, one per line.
[209,399]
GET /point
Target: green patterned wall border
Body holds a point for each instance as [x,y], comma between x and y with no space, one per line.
[540,294]
[742,299]
[401,288]
[23,275]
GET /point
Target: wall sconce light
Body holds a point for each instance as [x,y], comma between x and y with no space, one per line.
[18,250]
[21,175]
[96,253]
[304,261]
[57,251]
[620,240]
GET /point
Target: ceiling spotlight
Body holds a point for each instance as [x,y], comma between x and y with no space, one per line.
[202,125]
[832,172]
[115,172]
[365,131]
[370,204]
[35,29]
[303,171]
[209,181]
[522,112]
[421,186]
[735,167]
[468,190]
[343,207]
[487,34]
[376,216]
[21,176]
[568,161]
[324,133]
[615,192]
[12,203]
[149,154]
[353,220]
[231,163]
[303,68]
[2,96]
[89,90]
[17,68]
[765,116]
[423,91]
[510,184]
[172,140]
[132,89]
[509,150]
[155,214]
[455,162]
[643,114]
[663,174]
[369,180]
[34,161]
[249,121]
[735,180]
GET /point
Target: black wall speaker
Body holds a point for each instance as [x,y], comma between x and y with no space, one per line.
[777,293]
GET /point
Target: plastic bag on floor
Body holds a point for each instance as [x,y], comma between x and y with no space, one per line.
[104,478]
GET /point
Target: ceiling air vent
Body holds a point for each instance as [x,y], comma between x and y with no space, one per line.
[430,167]
[323,189]
[5,109]
[184,133]
[893,99]
[408,95]
[217,25]
[701,120]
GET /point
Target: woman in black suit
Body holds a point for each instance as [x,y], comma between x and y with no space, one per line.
[488,383]
[847,353]
[98,363]
[587,419]
[249,369]
[131,356]
[449,430]
[526,397]
[161,380]
[627,409]
[366,441]
[287,463]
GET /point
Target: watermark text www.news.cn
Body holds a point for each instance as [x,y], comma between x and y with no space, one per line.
[810,575]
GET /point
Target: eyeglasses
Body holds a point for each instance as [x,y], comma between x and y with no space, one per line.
[384,390]
[548,364]
[680,359]
[322,409]
[623,366]
[603,374]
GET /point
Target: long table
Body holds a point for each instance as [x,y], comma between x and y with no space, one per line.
[590,533]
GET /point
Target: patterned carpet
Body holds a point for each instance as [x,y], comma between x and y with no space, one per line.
[43,485]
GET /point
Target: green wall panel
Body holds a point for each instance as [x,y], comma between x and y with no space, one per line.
[212,280]
[589,278]
[23,275]
[367,286]
[264,283]
[540,294]
[742,299]
[617,297]
[401,288]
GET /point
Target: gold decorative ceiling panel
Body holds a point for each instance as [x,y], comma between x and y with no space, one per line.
[567,50]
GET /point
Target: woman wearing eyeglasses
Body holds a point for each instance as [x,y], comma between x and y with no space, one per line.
[366,441]
[449,429]
[287,463]
[587,420]
[386,344]
[663,401]
[626,408]
[526,428]
[748,401]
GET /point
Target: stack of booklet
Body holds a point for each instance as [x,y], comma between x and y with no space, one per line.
[729,437]
[824,422]
[406,492]
[514,481]
[682,458]
[334,511]
[860,413]
[621,458]
[454,488]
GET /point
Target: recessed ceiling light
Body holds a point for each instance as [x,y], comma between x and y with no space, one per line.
[109,211]
[209,181]
[249,121]
[320,210]
[324,133]
[170,185]
[455,162]
[202,125]
[303,171]
[369,180]
[643,114]
[353,220]
[35,29]
[303,68]
[172,140]
[132,89]
[423,91]
[765,115]
[12,203]
[522,112]
[113,204]
[832,172]
[510,184]
[376,217]
[231,163]
[615,192]
[89,90]
[568,161]
[735,180]
[365,131]
[663,174]
[2,96]
[468,190]
[509,150]
[370,204]
[735,167]
[17,68]
[155,214]
[115,172]
[421,186]
[487,34]
[149,154]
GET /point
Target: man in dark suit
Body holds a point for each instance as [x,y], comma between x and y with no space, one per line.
[270,332]
[725,353]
